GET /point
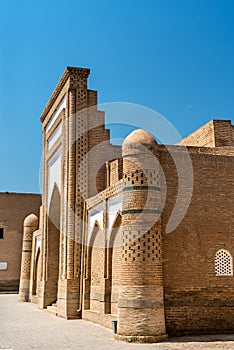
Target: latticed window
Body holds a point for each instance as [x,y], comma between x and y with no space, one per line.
[223,263]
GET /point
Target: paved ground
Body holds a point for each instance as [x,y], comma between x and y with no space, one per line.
[23,327]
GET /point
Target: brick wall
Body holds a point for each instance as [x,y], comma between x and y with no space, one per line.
[116,171]
[196,300]
[224,133]
[14,207]
[216,133]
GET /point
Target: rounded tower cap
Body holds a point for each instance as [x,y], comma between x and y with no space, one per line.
[137,139]
[31,220]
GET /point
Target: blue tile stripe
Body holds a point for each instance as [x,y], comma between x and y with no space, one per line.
[139,188]
[138,211]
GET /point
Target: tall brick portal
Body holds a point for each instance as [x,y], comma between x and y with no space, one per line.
[72,127]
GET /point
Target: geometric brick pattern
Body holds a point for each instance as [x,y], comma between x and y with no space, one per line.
[26,264]
[138,177]
[138,246]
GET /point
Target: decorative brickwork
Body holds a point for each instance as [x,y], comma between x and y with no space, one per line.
[140,304]
[141,247]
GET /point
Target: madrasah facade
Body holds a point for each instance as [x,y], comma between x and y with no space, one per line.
[101,249]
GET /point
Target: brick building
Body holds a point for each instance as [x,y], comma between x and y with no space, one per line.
[14,207]
[141,234]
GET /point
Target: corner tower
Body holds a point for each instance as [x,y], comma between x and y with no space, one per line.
[140,304]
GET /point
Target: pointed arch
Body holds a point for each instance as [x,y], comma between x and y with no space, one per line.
[114,262]
[223,263]
[91,240]
[114,238]
[53,242]
[96,228]
[94,267]
[54,207]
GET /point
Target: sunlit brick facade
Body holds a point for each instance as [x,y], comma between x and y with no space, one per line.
[101,249]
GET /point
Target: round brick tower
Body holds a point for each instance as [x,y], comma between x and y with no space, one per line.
[30,225]
[140,305]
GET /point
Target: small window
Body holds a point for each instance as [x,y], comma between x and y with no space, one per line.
[1,233]
[223,263]
[3,265]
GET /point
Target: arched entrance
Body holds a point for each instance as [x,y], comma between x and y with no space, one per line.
[97,255]
[37,272]
[95,270]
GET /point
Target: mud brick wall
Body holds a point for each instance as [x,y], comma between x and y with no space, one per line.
[14,207]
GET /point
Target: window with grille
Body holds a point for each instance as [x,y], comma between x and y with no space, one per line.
[223,263]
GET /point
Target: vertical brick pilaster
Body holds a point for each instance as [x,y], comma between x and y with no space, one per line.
[71,185]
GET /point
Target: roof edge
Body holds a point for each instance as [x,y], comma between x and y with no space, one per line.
[21,193]
[66,74]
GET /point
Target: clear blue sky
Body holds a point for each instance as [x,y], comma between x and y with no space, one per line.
[174,56]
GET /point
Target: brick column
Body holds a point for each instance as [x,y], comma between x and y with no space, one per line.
[30,225]
[140,304]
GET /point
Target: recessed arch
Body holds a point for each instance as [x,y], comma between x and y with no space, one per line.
[96,228]
[54,207]
[53,243]
[95,267]
[114,262]
[115,239]
[37,272]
